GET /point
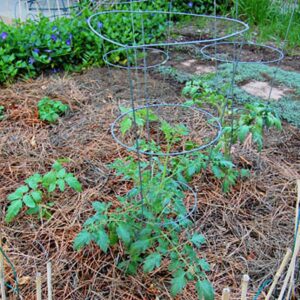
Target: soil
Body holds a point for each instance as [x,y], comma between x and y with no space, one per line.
[247,229]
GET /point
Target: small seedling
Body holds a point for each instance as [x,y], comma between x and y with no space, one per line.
[50,110]
[35,190]
[1,112]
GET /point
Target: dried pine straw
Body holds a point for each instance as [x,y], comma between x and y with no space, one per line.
[248,230]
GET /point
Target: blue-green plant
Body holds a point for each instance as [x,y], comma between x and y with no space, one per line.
[50,110]
[37,189]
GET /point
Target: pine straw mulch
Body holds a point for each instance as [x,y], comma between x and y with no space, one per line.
[248,230]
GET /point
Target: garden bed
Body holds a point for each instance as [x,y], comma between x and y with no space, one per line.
[248,229]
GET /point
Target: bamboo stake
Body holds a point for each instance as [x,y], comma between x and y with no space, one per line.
[49,280]
[292,278]
[297,205]
[291,269]
[38,282]
[2,279]
[279,272]
[226,294]
[245,282]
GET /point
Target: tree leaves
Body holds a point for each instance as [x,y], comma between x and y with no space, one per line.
[13,209]
[152,261]
[205,290]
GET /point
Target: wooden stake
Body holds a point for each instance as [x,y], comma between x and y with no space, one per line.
[297,205]
[38,282]
[226,294]
[290,277]
[291,269]
[279,272]
[49,280]
[245,282]
[2,278]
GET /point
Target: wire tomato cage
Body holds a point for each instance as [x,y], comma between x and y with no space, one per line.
[154,127]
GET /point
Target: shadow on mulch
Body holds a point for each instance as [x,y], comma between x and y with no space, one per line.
[247,230]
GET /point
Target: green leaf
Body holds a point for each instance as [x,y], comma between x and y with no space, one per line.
[36,195]
[152,261]
[205,290]
[34,180]
[123,233]
[204,265]
[14,196]
[99,206]
[57,166]
[243,132]
[29,202]
[178,283]
[61,184]
[51,188]
[125,125]
[48,179]
[198,240]
[22,189]
[13,209]
[102,240]
[61,173]
[82,239]
[139,246]
[245,173]
[33,211]
[73,183]
[217,172]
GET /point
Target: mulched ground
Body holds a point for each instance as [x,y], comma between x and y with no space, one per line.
[248,230]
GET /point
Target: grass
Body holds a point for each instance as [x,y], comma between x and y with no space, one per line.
[269,21]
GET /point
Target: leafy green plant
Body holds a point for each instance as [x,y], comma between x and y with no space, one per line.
[34,46]
[269,20]
[2,108]
[38,188]
[141,117]
[248,120]
[252,118]
[151,224]
[50,110]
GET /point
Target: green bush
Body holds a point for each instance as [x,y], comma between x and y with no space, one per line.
[31,47]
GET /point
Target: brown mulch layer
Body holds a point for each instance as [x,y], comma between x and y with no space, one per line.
[248,230]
